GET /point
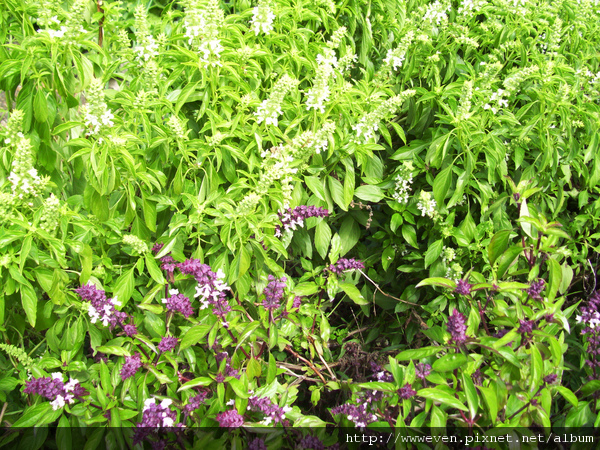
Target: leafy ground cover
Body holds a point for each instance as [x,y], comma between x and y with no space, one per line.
[277,216]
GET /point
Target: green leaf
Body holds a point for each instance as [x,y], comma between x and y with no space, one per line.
[369,193]
[555,278]
[238,387]
[124,286]
[113,350]
[337,192]
[437,281]
[498,245]
[352,292]
[433,252]
[471,394]
[194,335]
[489,396]
[410,235]
[322,238]
[507,259]
[65,127]
[200,381]
[441,184]
[248,331]
[153,268]
[316,186]
[437,395]
[448,363]
[349,234]
[37,415]
[568,395]
[40,106]
[161,377]
[306,288]
[418,353]
[29,302]
[526,226]
[349,183]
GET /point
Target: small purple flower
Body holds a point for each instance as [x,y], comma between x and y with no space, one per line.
[274,293]
[130,330]
[55,389]
[178,303]
[477,378]
[536,289]
[463,287]
[131,366]
[406,392]
[457,327]
[230,419]
[168,264]
[291,218]
[257,444]
[167,344]
[274,413]
[356,413]
[297,302]
[311,442]
[195,402]
[380,374]
[526,326]
[549,379]
[344,264]
[157,247]
[422,370]
[101,308]
[156,416]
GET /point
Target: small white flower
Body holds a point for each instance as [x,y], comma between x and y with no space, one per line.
[149,402]
[57,376]
[59,402]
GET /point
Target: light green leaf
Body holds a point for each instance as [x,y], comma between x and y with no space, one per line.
[369,193]
[352,292]
[437,395]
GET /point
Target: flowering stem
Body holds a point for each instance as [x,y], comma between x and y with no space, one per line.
[482,316]
[311,365]
[235,340]
[101,23]
[526,404]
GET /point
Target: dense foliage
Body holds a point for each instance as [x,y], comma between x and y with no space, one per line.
[293,214]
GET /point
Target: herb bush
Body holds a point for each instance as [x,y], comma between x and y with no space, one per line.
[292,214]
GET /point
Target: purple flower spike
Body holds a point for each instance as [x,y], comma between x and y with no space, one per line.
[406,392]
[178,303]
[536,289]
[257,444]
[356,413]
[463,287]
[457,327]
[157,247]
[101,308]
[130,330]
[167,344]
[526,326]
[53,388]
[549,379]
[291,218]
[230,419]
[195,402]
[274,413]
[131,366]
[160,415]
[344,264]
[422,370]
[311,442]
[274,293]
